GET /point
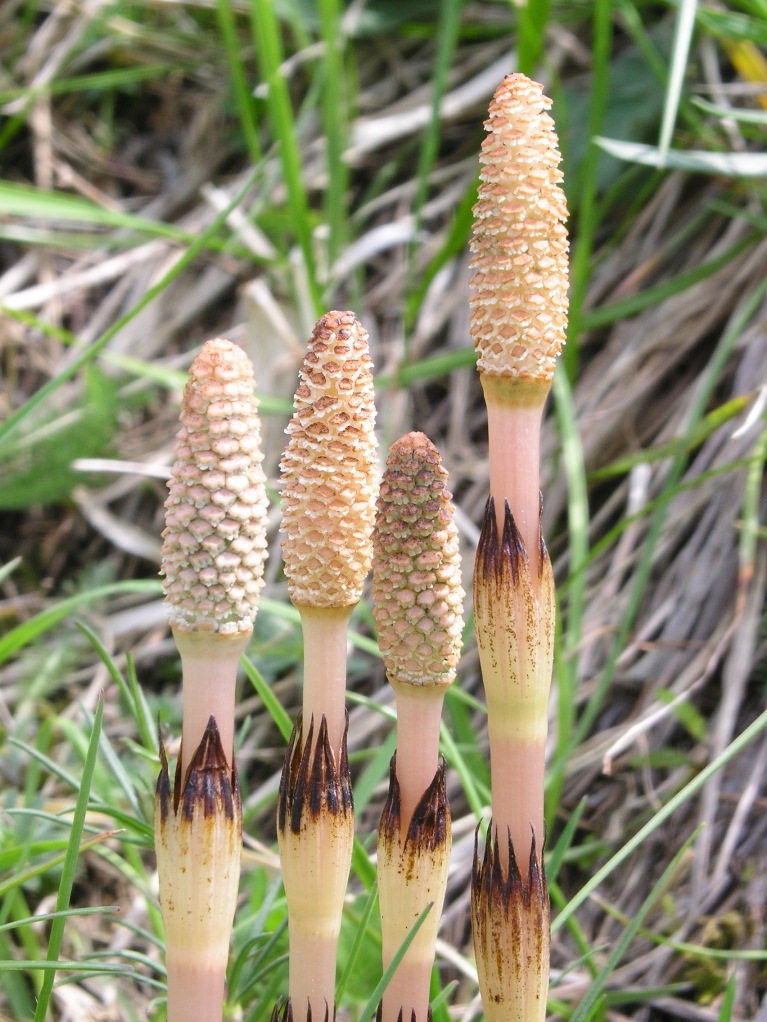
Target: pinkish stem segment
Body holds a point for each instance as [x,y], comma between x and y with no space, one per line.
[195,991]
[517,796]
[419,711]
[209,663]
[325,641]
[514,412]
[312,972]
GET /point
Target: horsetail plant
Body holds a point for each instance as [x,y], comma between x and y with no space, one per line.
[328,505]
[518,322]
[213,558]
[418,608]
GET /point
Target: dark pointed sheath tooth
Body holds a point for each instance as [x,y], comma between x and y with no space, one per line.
[391,817]
[162,791]
[282,1011]
[344,774]
[209,781]
[311,781]
[487,548]
[499,560]
[321,780]
[289,772]
[490,885]
[430,824]
[297,795]
[512,545]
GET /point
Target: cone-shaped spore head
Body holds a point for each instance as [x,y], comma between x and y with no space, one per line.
[417,593]
[329,468]
[214,543]
[519,242]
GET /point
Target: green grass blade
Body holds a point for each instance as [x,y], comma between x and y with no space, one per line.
[6,570]
[375,770]
[97,81]
[70,862]
[586,189]
[50,968]
[583,1012]
[25,633]
[266,33]
[141,712]
[455,242]
[363,867]
[242,93]
[455,758]
[19,879]
[736,746]
[708,381]
[729,112]
[699,161]
[370,1008]
[578,538]
[447,30]
[428,368]
[728,1001]
[367,910]
[680,51]
[555,859]
[268,698]
[335,118]
[651,296]
[749,533]
[47,916]
[17,200]
[196,246]
[532,17]
[692,439]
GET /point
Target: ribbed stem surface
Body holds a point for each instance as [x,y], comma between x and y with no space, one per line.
[325,643]
[198,839]
[419,712]
[413,862]
[315,830]
[514,434]
[209,663]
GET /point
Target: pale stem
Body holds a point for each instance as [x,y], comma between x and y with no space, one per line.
[419,711]
[408,989]
[517,795]
[325,638]
[209,664]
[312,970]
[195,991]
[514,439]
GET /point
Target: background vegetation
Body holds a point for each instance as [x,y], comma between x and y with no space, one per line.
[176,170]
